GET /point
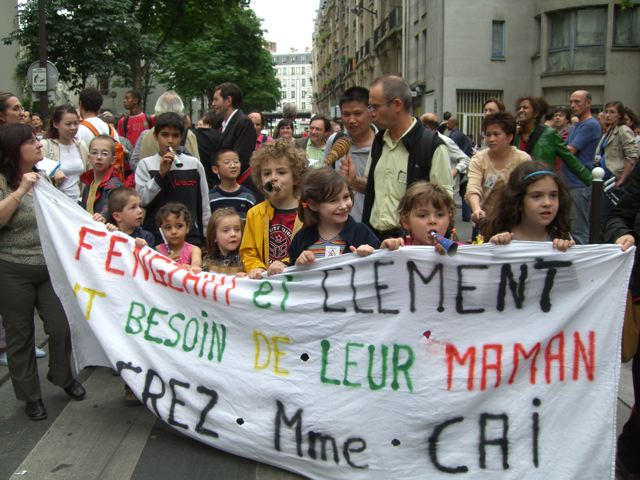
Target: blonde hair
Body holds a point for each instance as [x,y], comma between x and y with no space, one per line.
[212,246]
[296,157]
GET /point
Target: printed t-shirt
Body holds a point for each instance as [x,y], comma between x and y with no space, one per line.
[333,247]
[280,233]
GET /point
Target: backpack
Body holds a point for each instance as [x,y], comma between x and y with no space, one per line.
[119,163]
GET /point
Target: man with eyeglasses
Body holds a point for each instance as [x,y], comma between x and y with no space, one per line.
[402,153]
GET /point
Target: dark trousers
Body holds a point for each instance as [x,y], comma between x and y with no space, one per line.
[629,439]
[24,289]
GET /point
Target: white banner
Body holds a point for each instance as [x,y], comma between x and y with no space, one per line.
[499,362]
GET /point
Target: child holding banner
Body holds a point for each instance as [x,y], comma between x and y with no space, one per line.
[174,221]
[325,204]
[277,169]
[224,234]
[425,209]
[533,206]
[125,210]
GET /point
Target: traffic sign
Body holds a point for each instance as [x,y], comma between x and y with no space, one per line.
[39,79]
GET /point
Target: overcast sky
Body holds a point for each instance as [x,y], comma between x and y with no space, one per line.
[289,23]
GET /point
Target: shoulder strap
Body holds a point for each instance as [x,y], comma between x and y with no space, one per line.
[90,126]
[112,132]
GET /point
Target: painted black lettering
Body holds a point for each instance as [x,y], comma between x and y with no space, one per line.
[433,447]
[203,415]
[176,401]
[382,286]
[147,394]
[356,307]
[325,305]
[413,269]
[347,450]
[295,421]
[517,289]
[461,288]
[324,439]
[502,441]
[552,269]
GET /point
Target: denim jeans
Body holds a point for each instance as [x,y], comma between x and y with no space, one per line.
[580,208]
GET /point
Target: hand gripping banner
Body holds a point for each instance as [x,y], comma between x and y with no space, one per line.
[498,362]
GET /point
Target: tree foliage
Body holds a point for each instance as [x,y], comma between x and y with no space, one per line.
[189,45]
[230,49]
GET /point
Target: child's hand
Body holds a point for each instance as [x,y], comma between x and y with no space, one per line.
[241,275]
[562,244]
[440,249]
[99,218]
[306,258]
[626,241]
[276,268]
[140,242]
[392,243]
[111,227]
[478,215]
[193,268]
[165,163]
[362,250]
[256,273]
[503,238]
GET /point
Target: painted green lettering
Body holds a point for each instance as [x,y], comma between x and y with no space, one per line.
[168,342]
[205,328]
[383,376]
[287,278]
[323,373]
[186,334]
[347,364]
[220,340]
[137,316]
[397,367]
[265,288]
[150,321]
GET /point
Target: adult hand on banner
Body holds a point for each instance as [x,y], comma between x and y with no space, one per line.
[626,241]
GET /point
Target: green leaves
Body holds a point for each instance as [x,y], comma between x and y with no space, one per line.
[189,45]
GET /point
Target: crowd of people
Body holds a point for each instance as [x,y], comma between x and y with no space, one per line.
[225,196]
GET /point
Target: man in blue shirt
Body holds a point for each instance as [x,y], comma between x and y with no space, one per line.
[582,142]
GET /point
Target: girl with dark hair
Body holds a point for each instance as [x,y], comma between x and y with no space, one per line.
[534,205]
[325,204]
[61,146]
[24,277]
[544,143]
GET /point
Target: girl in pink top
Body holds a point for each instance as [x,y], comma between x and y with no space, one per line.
[174,220]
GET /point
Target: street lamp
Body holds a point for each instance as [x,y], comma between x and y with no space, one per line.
[357,10]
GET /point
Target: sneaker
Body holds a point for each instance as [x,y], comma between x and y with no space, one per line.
[40,353]
[3,359]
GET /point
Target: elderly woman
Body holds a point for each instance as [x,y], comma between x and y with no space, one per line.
[544,143]
[147,145]
[24,277]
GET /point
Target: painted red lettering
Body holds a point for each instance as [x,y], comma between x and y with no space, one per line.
[588,359]
[532,354]
[452,354]
[496,365]
[113,253]
[558,356]
[81,241]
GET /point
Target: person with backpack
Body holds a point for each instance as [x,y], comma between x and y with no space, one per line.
[132,124]
[92,125]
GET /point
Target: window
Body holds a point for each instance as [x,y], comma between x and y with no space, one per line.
[538,29]
[302,82]
[303,105]
[497,40]
[297,70]
[284,95]
[576,40]
[625,27]
[292,71]
[293,94]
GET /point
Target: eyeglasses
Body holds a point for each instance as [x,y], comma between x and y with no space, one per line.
[101,153]
[374,108]
[227,163]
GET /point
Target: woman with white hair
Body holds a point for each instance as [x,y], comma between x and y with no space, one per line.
[147,145]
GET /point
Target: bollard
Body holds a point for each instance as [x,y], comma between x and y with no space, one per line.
[596,205]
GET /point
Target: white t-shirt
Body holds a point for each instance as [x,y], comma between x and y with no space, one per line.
[87,135]
[72,166]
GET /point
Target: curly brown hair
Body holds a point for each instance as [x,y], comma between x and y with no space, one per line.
[319,185]
[508,211]
[296,157]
